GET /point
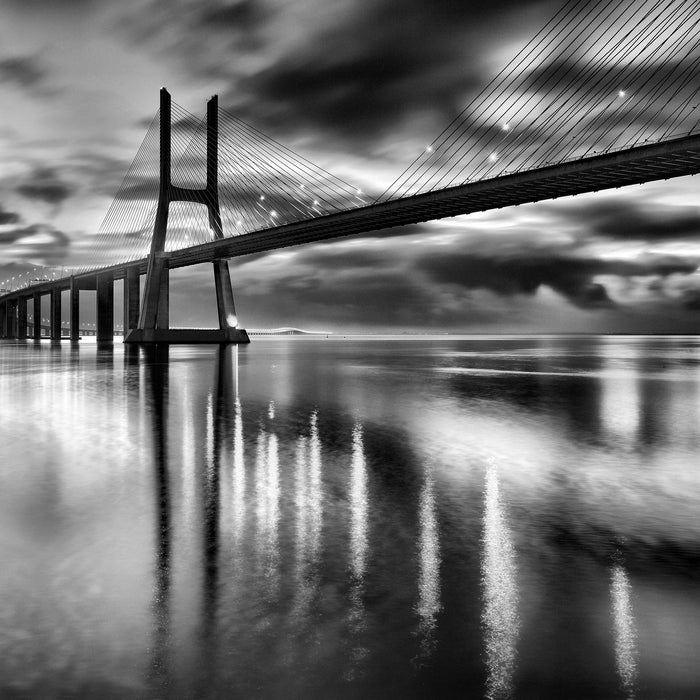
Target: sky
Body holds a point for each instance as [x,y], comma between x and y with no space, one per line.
[359,88]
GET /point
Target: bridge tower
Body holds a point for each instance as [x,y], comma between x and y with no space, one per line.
[153,324]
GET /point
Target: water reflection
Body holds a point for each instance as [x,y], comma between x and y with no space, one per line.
[239,546]
[267,492]
[358,506]
[358,554]
[238,485]
[624,629]
[315,495]
[157,391]
[429,569]
[500,616]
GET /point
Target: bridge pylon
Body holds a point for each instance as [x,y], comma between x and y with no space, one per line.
[153,324]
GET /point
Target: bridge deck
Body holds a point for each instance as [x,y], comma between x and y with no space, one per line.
[636,165]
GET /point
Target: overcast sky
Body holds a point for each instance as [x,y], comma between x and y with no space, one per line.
[358,87]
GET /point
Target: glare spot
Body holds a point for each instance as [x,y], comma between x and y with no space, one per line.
[232,320]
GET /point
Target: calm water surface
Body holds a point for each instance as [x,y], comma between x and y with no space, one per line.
[352,518]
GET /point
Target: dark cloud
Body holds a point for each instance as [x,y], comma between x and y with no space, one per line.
[358,73]
[363,77]
[34,230]
[691,299]
[572,277]
[28,72]
[8,217]
[45,184]
[626,218]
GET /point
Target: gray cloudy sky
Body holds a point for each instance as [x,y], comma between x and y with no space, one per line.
[359,88]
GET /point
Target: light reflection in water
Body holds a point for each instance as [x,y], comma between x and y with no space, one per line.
[315,495]
[303,591]
[500,615]
[238,477]
[358,553]
[267,494]
[429,569]
[358,506]
[308,506]
[624,627]
[620,402]
[188,462]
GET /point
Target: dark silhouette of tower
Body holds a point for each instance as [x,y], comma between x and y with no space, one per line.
[153,324]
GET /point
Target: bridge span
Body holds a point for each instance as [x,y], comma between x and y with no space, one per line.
[637,165]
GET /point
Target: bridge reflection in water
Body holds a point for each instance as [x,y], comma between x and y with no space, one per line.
[318,529]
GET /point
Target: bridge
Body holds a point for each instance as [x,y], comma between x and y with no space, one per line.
[602,97]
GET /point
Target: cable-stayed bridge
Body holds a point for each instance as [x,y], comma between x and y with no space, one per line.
[604,95]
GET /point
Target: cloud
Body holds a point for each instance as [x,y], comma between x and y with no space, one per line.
[524,273]
[40,243]
[8,217]
[358,72]
[45,184]
[626,219]
[27,72]
[34,234]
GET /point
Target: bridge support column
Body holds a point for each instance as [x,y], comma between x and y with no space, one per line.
[3,319]
[74,311]
[153,324]
[22,318]
[36,312]
[105,307]
[163,313]
[132,298]
[224,295]
[55,314]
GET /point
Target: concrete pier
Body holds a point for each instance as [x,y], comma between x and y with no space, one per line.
[105,307]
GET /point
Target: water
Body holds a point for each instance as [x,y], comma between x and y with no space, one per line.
[352,518]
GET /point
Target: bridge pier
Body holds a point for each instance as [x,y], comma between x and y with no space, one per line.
[10,322]
[36,330]
[22,318]
[132,298]
[163,304]
[55,315]
[74,310]
[105,307]
[3,320]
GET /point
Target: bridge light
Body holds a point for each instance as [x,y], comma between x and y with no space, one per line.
[273,213]
[506,127]
[493,157]
[262,197]
[232,320]
[315,202]
[621,93]
[428,149]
